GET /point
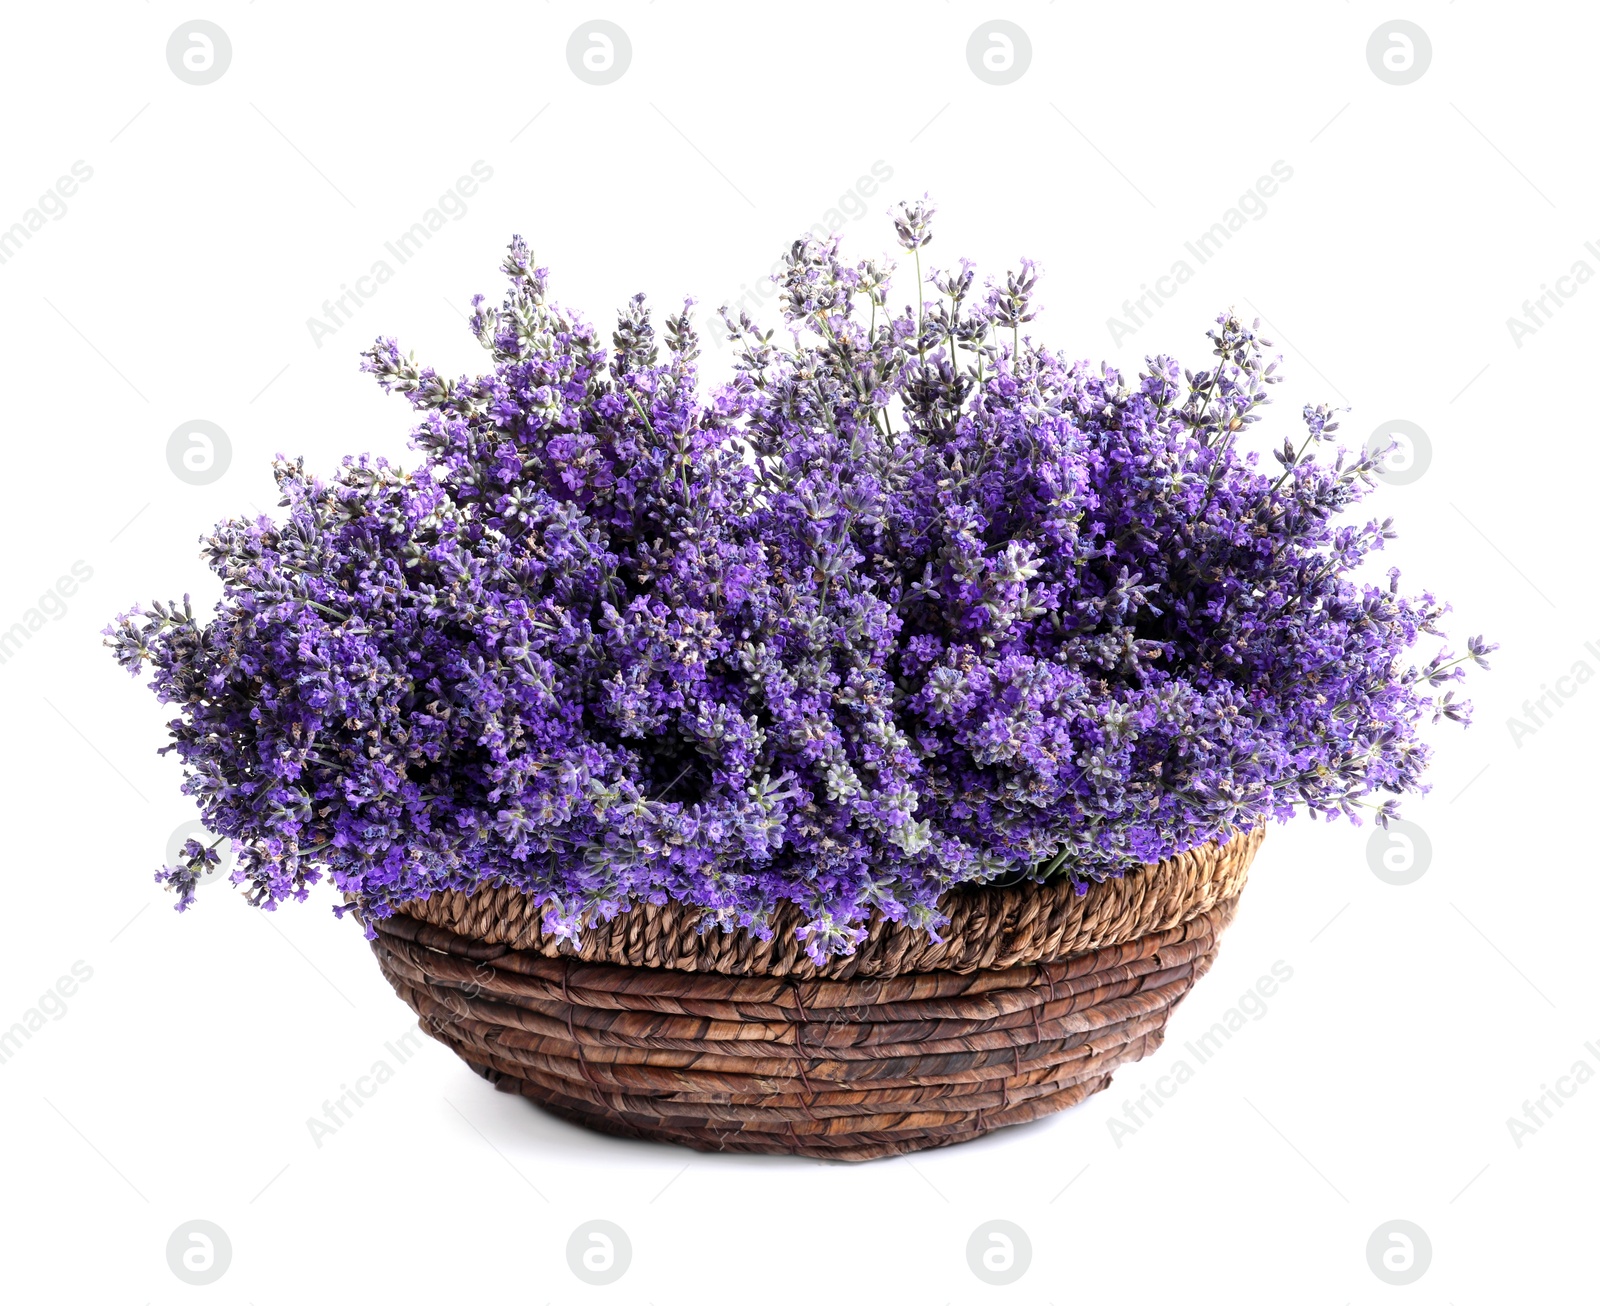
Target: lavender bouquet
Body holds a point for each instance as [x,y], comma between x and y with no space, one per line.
[911,602]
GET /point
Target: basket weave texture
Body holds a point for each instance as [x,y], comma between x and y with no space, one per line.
[726,1042]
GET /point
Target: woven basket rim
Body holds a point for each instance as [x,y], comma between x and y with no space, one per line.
[989,927]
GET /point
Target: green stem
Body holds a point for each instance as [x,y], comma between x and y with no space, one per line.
[916,254]
[634,400]
[683,448]
[1290,468]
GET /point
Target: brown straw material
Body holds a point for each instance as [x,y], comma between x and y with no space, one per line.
[989,928]
[727,1042]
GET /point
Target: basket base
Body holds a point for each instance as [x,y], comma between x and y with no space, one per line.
[853,1147]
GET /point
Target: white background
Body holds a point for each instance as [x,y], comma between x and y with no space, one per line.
[177,1083]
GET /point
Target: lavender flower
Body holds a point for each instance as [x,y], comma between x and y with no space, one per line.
[911,602]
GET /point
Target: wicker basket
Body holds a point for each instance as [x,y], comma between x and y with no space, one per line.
[725,1042]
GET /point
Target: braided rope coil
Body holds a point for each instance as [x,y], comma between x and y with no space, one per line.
[990,928]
